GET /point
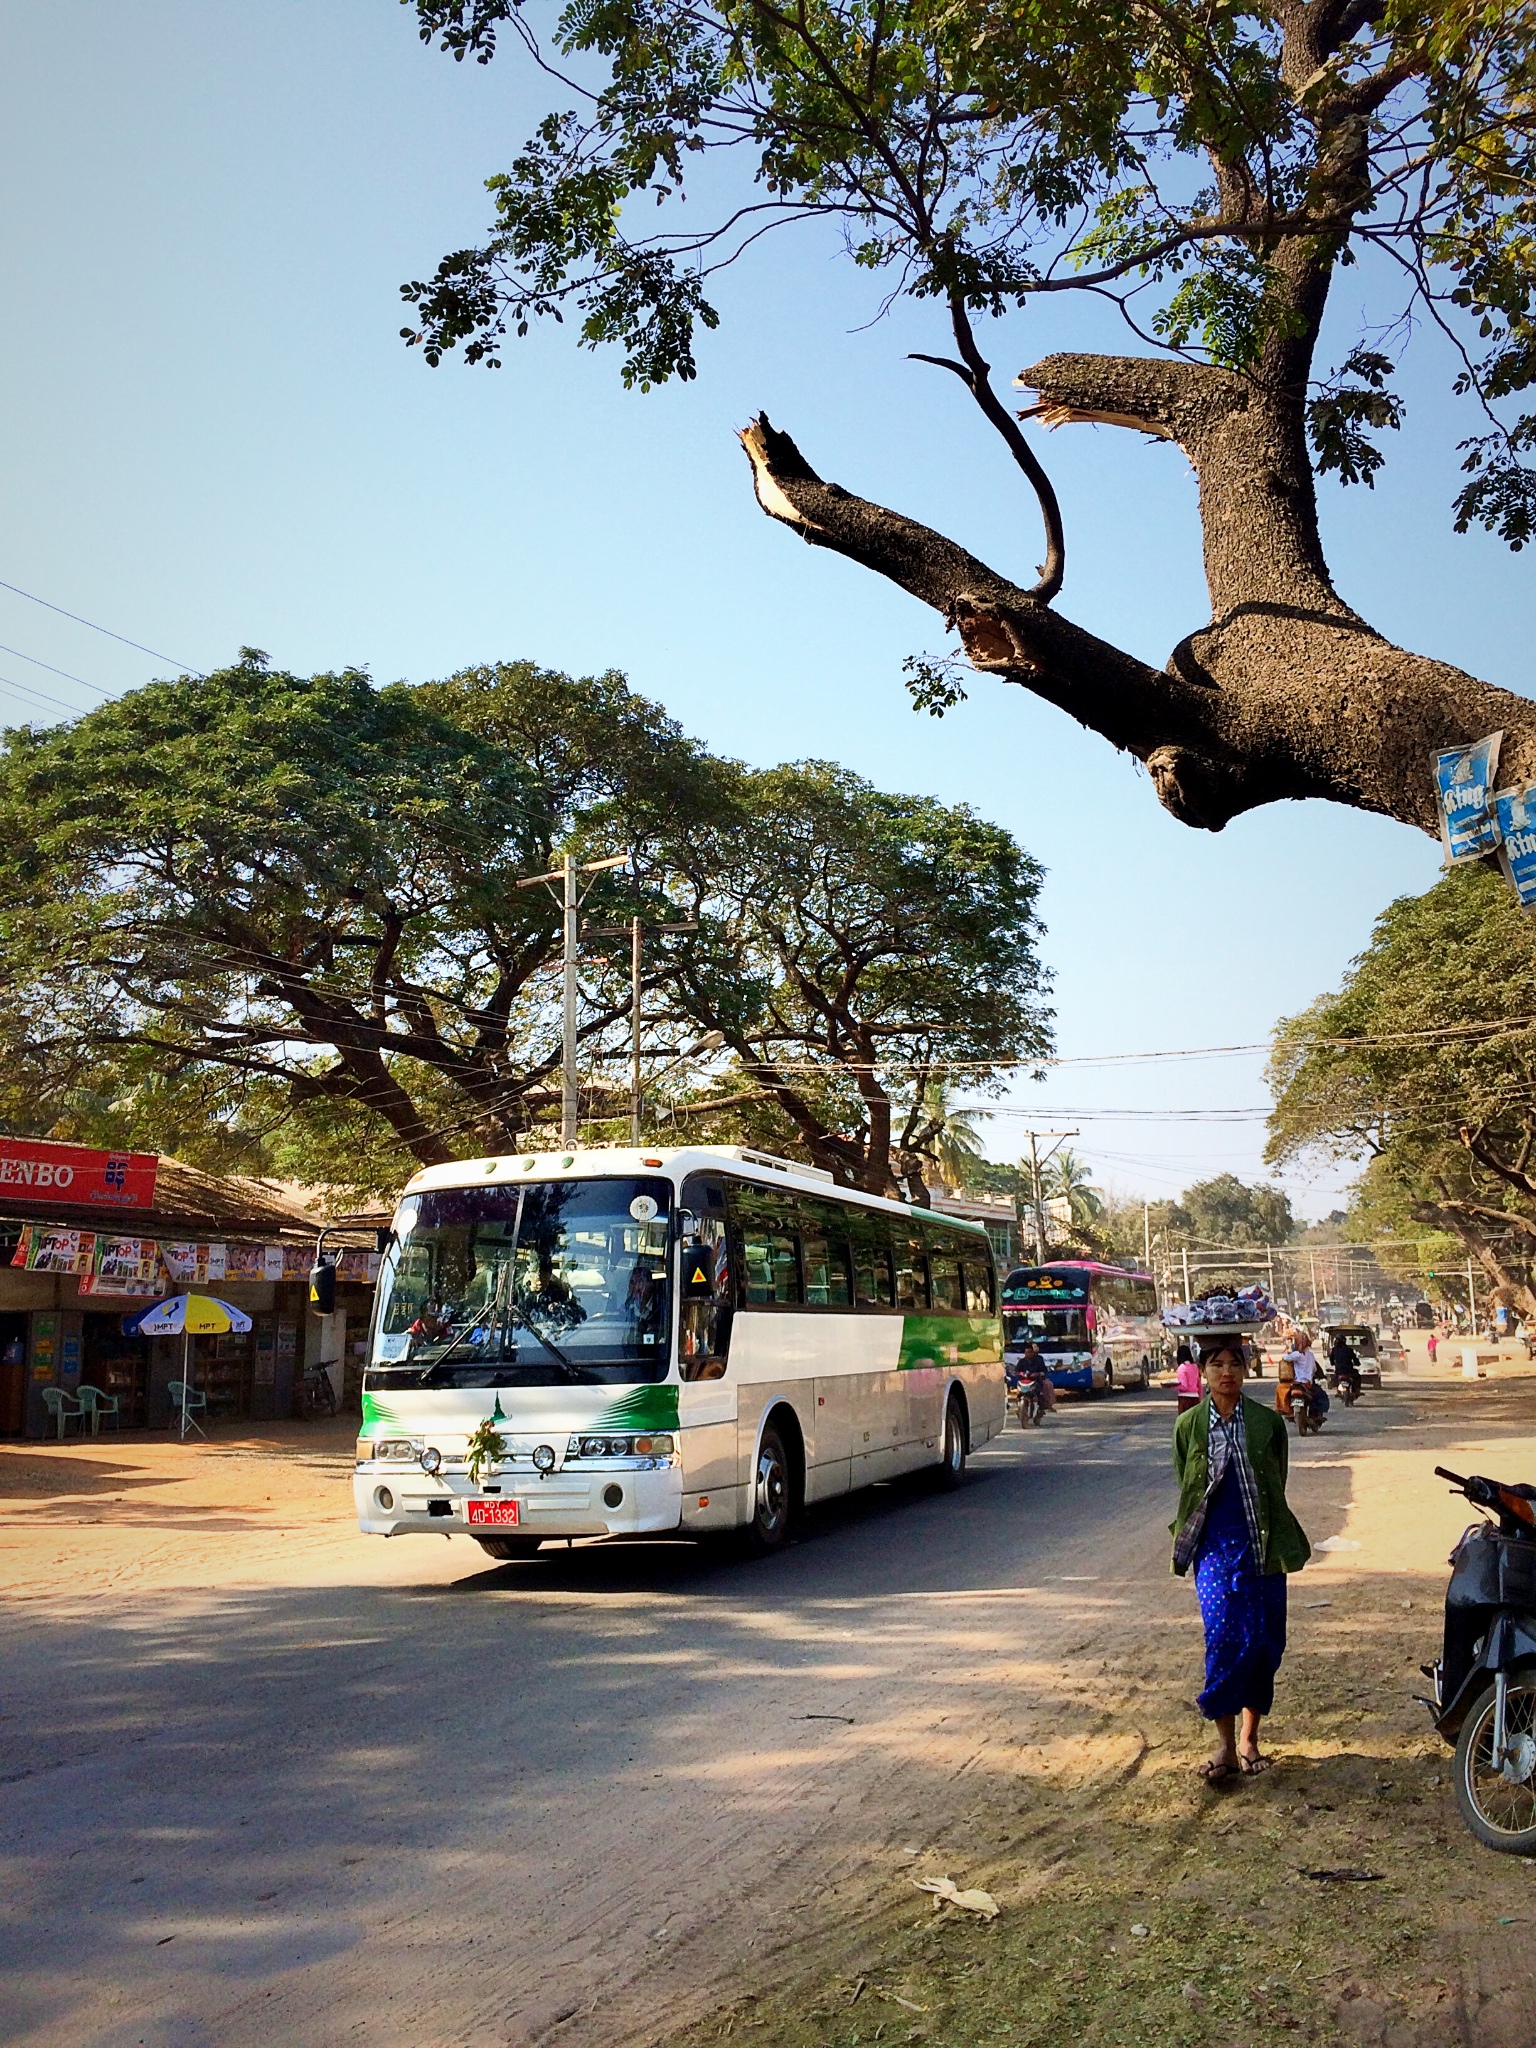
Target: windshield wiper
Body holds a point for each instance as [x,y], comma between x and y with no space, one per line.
[463,1337]
[520,1315]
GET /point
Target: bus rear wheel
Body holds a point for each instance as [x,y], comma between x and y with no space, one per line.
[772,1496]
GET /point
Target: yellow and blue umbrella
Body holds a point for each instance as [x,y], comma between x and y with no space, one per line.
[186,1315]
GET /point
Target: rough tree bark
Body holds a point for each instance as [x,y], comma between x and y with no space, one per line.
[1286,692]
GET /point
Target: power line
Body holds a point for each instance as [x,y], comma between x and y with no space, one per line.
[154,652]
[40,696]
[64,672]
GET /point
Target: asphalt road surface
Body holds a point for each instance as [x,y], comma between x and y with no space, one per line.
[562,1799]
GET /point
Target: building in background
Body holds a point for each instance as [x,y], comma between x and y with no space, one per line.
[89,1236]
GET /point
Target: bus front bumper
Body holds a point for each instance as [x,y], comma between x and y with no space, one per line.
[632,1499]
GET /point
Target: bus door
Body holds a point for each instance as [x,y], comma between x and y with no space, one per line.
[706,1310]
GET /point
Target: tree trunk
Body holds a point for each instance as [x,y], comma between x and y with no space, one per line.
[1285,693]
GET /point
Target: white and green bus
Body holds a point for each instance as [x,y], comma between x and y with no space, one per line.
[699,1340]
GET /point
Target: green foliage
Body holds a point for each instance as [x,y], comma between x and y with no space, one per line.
[1421,1068]
[273,921]
[1337,420]
[1189,161]
[272,924]
[486,1447]
[850,944]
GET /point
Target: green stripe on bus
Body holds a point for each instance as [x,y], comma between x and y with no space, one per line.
[949,1340]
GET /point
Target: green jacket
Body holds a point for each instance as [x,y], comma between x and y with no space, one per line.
[1286,1548]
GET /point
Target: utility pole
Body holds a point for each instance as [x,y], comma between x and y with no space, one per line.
[1185,1253]
[1471,1299]
[635,928]
[570,923]
[1037,1187]
[569,900]
[1146,1237]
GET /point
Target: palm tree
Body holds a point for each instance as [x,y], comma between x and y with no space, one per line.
[1067,1179]
[939,1131]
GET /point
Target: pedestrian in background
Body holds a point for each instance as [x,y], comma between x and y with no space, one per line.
[1235,1529]
[1187,1382]
[1432,1345]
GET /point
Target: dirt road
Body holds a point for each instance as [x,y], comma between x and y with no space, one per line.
[266,1781]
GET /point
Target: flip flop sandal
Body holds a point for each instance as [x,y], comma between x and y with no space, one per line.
[1255,1766]
[1216,1773]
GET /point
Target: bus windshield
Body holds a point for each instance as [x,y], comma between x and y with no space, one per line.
[552,1282]
[1050,1329]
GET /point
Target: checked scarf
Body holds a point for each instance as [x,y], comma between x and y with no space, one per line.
[1228,1445]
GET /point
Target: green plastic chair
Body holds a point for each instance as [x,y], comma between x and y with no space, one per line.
[186,1405]
[95,1403]
[65,1406]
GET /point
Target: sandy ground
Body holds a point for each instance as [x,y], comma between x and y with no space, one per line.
[262,1779]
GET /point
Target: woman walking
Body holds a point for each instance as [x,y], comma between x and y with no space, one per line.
[1235,1528]
[1186,1380]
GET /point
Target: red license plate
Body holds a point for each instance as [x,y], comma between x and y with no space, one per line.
[491,1514]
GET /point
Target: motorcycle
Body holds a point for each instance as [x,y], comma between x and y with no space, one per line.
[1485,1678]
[1032,1403]
[1347,1387]
[1309,1406]
[319,1392]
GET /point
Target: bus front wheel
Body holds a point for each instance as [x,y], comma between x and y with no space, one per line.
[508,1547]
[957,1444]
[771,1495]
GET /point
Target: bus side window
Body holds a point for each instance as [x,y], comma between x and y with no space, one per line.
[871,1260]
[911,1273]
[826,1270]
[978,1286]
[704,1327]
[770,1250]
[944,1282]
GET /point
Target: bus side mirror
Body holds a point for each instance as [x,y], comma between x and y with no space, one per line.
[698,1270]
[322,1287]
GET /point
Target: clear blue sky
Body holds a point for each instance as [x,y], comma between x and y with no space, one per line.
[212,435]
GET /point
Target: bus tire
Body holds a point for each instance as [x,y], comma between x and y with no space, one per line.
[957,1442]
[773,1495]
[507,1547]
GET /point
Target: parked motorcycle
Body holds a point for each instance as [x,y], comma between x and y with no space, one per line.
[1485,1679]
[319,1392]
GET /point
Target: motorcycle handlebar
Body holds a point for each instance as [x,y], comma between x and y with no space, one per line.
[1512,1502]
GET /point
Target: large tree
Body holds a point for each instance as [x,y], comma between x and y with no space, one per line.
[257,896]
[1422,1069]
[857,953]
[1208,166]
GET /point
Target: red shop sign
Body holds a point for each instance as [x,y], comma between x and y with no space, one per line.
[35,1169]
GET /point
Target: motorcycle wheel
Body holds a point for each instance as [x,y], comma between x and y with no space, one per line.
[1500,1808]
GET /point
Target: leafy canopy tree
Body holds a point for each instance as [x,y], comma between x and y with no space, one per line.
[284,908]
[272,921]
[1207,167]
[1422,1067]
[854,949]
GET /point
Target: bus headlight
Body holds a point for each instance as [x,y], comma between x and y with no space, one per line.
[431,1459]
[653,1446]
[544,1458]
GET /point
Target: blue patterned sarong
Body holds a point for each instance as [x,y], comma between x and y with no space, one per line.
[1243,1610]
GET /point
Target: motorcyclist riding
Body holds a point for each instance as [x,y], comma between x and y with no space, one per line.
[1344,1364]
